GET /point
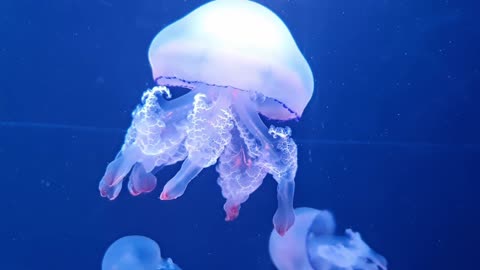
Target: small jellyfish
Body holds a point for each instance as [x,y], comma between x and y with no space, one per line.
[311,245]
[239,61]
[135,252]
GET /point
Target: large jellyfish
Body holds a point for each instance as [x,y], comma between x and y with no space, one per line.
[238,60]
[136,252]
[311,245]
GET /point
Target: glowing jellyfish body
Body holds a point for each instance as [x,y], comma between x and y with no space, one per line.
[135,252]
[239,60]
[311,245]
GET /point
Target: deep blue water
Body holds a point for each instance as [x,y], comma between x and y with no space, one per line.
[389,142]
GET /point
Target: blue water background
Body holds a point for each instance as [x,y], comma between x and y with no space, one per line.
[389,141]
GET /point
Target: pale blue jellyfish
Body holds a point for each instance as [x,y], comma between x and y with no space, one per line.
[239,60]
[311,245]
[136,252]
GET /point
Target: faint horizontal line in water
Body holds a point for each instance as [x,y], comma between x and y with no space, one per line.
[413,144]
[58,126]
[300,141]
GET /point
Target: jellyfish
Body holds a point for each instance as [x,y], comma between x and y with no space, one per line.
[311,245]
[136,252]
[239,62]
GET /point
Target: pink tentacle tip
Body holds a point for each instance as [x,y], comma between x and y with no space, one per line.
[232,212]
[108,179]
[166,197]
[281,232]
[103,190]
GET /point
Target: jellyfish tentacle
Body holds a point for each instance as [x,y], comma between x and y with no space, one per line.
[176,186]
[367,257]
[344,252]
[278,156]
[141,181]
[208,132]
[283,169]
[110,192]
[154,139]
[239,175]
[248,118]
[284,217]
[178,108]
[155,131]
[311,243]
[209,129]
[111,182]
[240,167]
[377,259]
